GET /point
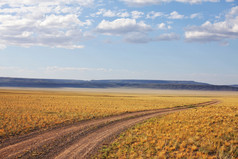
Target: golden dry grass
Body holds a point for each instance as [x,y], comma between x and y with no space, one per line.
[23,111]
[207,132]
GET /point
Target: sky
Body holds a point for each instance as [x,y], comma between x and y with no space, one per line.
[120,39]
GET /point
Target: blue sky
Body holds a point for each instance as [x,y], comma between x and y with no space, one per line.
[120,39]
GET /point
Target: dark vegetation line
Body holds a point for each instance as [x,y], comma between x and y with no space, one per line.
[151,84]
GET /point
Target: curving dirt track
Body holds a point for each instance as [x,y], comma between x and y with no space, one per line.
[79,140]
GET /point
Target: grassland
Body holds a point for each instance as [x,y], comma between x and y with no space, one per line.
[23,111]
[206,132]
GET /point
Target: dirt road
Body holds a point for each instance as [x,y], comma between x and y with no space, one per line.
[81,139]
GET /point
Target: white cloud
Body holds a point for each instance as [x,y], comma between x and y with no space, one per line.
[195,15]
[62,21]
[195,1]
[2,46]
[153,15]
[175,15]
[133,31]
[50,31]
[154,2]
[110,13]
[218,31]
[163,26]
[123,14]
[122,26]
[233,12]
[16,3]
[47,23]
[136,14]
[229,0]
[99,12]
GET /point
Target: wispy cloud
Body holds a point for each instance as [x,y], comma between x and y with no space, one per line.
[153,15]
[195,15]
[144,38]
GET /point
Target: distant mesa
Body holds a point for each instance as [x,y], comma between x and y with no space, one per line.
[151,84]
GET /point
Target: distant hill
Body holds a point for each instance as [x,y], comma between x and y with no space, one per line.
[153,84]
[149,82]
[234,85]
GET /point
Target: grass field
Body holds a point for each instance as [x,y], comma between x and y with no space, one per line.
[205,132]
[208,132]
[23,111]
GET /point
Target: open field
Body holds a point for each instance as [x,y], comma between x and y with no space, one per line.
[30,118]
[23,111]
[205,132]
[79,140]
